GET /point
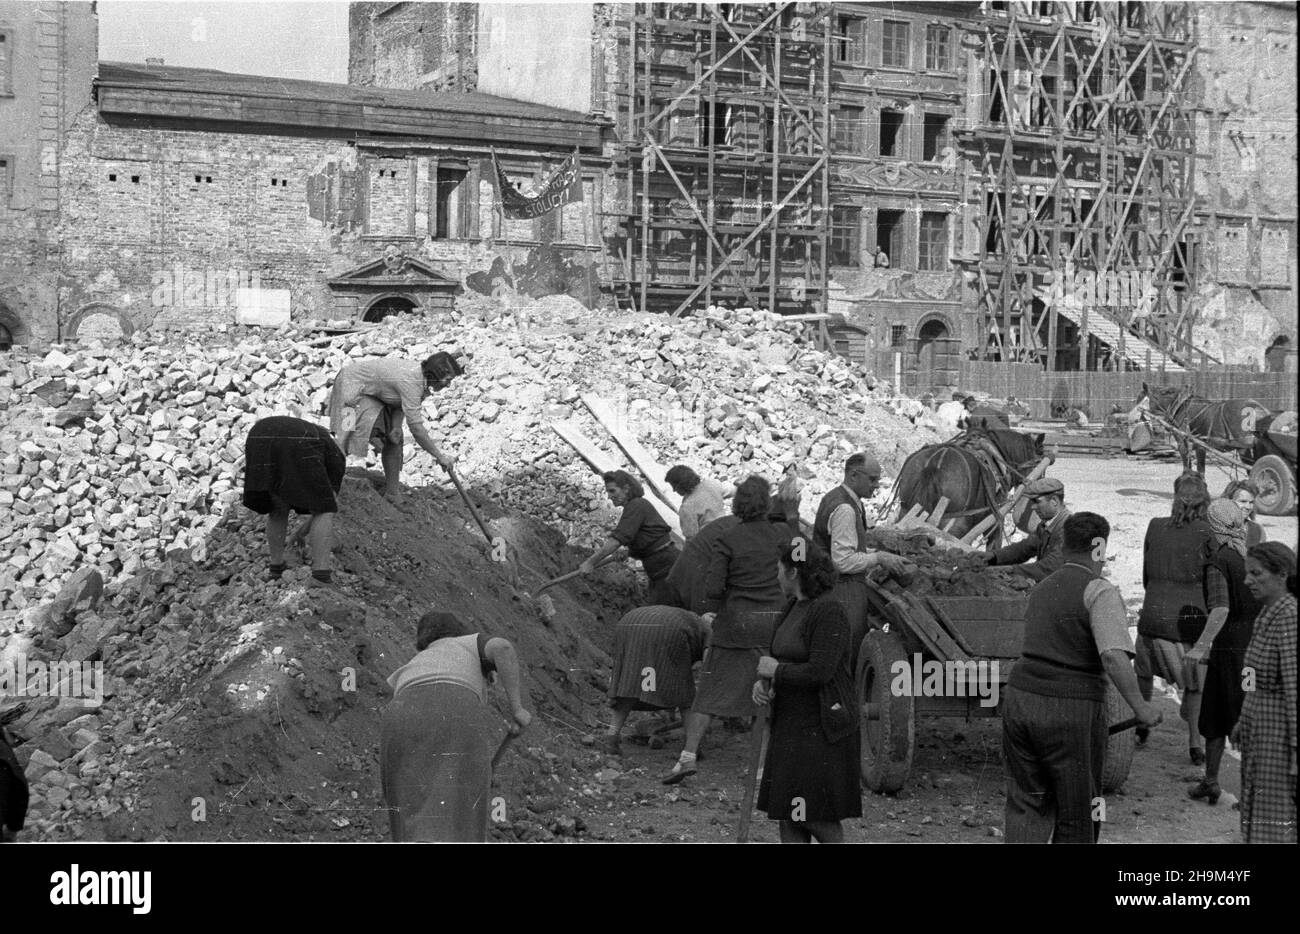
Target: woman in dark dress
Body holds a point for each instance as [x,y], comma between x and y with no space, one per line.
[292,464]
[811,777]
[1222,645]
[646,535]
[742,602]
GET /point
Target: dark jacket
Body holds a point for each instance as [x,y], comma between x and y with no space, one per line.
[823,667]
[1045,546]
[1173,562]
[741,584]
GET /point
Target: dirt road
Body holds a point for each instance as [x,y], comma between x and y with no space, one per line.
[955,792]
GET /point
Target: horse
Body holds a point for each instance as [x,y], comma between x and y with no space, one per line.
[1223,426]
[974,470]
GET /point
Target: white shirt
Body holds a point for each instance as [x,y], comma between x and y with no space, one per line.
[701,506]
[843,523]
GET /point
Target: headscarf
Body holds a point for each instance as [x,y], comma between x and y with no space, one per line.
[1229,524]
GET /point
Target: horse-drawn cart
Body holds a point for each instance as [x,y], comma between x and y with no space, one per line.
[1272,462]
[966,647]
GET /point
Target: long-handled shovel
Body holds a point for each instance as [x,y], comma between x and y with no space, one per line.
[757,742]
[511,559]
[570,576]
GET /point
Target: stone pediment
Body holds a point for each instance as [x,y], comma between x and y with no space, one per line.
[393,271]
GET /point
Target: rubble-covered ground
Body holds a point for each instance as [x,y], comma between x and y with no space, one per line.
[241,708]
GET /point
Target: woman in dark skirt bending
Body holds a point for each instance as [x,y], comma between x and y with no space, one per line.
[294,464]
[811,779]
[655,648]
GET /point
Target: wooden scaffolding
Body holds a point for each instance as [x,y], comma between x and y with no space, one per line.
[723,119]
[1081,144]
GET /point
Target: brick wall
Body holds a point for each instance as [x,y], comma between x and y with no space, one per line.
[50,56]
[163,224]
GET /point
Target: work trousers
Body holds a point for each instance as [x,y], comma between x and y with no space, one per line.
[1055,750]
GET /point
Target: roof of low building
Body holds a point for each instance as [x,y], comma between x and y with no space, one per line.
[256,102]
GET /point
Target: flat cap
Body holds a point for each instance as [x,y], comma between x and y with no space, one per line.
[1044,486]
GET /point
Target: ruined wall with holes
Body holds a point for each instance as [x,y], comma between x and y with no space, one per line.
[1246,74]
[48,63]
[159,227]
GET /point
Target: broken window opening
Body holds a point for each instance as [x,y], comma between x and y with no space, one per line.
[936,136]
[891,126]
[448,221]
[889,236]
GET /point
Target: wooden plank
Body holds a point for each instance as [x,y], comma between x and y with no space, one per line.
[601,463]
[945,648]
[991,627]
[936,514]
[651,470]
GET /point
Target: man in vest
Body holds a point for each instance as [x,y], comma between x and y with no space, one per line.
[1044,545]
[1054,729]
[841,528]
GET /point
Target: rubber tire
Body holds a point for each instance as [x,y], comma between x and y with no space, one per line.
[1272,473]
[1120,746]
[887,743]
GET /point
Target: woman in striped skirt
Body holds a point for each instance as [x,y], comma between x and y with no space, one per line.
[654,650]
[1266,732]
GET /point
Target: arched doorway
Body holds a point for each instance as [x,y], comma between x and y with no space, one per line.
[933,330]
[387,305]
[12,329]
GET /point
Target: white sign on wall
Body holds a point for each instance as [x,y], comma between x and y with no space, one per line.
[268,308]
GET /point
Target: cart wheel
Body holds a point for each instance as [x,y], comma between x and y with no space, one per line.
[1276,486]
[888,723]
[1120,746]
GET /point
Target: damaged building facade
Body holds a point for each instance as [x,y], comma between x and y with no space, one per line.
[1074,184]
[176,198]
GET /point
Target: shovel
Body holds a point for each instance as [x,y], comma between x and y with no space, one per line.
[511,559]
[570,576]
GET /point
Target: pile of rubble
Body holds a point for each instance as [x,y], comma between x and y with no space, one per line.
[941,570]
[121,545]
[115,456]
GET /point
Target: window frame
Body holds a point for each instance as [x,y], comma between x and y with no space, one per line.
[931,255]
[858,115]
[852,246]
[932,30]
[851,44]
[887,45]
[897,335]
